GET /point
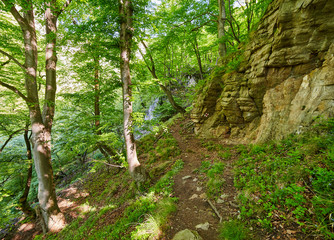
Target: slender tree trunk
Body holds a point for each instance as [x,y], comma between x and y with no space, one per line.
[137,172]
[249,15]
[23,201]
[198,56]
[104,149]
[170,97]
[221,29]
[97,95]
[97,104]
[152,70]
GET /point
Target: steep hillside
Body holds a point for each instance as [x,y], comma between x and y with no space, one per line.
[284,81]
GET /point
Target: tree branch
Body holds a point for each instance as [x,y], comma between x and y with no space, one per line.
[151,59]
[15,90]
[190,20]
[202,25]
[21,20]
[14,59]
[146,63]
[9,138]
[5,63]
[66,4]
[231,23]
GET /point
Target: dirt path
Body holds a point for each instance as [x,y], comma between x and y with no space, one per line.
[193,207]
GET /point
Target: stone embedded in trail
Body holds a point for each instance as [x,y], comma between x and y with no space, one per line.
[203,196]
[223,196]
[203,226]
[199,189]
[186,177]
[187,234]
[193,196]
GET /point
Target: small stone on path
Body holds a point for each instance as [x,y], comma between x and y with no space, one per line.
[199,189]
[203,226]
[203,196]
[186,177]
[223,196]
[195,179]
[219,201]
[193,196]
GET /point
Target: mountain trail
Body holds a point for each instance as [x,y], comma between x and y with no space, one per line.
[194,210]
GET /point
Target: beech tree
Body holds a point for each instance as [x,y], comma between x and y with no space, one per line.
[137,172]
[41,120]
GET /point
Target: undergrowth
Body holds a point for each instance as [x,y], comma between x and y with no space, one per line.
[114,210]
[215,181]
[290,183]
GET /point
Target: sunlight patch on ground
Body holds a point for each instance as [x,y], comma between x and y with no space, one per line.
[26,227]
[150,227]
[84,208]
[73,191]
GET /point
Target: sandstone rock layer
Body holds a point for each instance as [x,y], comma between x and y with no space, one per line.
[285,79]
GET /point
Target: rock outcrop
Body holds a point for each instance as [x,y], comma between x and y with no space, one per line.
[285,79]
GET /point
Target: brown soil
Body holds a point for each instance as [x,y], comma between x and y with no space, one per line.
[193,207]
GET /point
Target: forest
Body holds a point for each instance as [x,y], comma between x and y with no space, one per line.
[166,119]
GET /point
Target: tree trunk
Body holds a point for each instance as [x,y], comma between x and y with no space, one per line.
[97,95]
[104,149]
[137,172]
[198,56]
[41,135]
[23,201]
[52,218]
[152,70]
[170,97]
[41,123]
[221,29]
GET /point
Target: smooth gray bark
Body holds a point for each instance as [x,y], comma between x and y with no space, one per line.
[137,172]
[41,123]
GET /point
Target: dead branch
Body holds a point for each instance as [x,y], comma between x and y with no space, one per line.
[216,211]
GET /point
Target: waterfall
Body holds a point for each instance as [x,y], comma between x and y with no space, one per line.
[140,132]
[191,81]
[149,113]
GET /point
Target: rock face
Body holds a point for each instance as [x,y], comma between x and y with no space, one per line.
[285,79]
[187,235]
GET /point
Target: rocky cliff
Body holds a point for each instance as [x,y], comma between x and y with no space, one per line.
[285,80]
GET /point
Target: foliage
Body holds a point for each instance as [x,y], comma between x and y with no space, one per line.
[13,173]
[233,230]
[290,181]
[215,180]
